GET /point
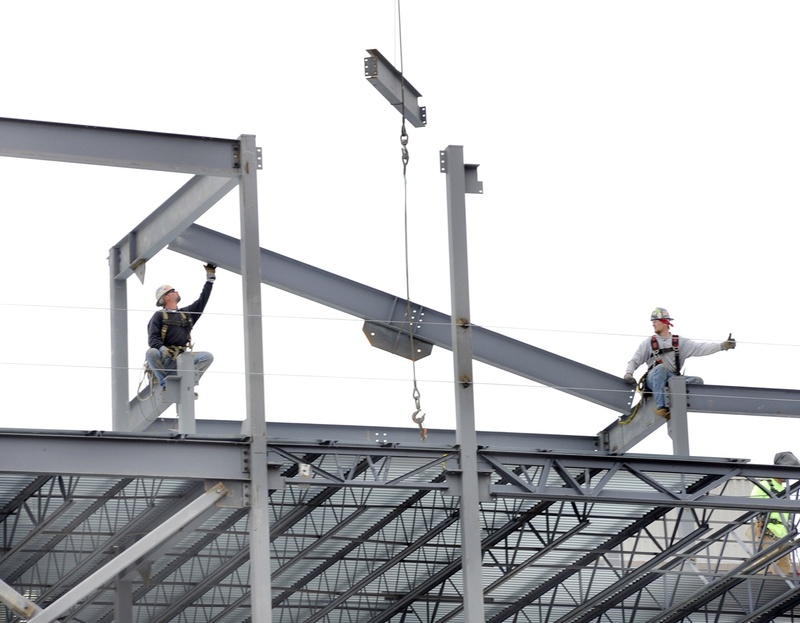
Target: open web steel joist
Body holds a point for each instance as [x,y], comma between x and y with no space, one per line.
[369,531]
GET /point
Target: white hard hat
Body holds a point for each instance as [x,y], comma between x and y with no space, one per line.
[162,290]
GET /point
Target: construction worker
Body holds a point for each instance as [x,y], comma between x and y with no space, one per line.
[664,354]
[773,526]
[169,331]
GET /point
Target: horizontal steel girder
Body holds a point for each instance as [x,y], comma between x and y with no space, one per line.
[645,480]
[112,454]
[380,307]
[335,434]
[130,149]
[731,400]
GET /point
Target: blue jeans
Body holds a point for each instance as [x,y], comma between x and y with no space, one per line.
[657,379]
[165,366]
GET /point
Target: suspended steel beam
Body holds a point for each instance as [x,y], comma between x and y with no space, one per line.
[131,149]
[380,307]
[395,88]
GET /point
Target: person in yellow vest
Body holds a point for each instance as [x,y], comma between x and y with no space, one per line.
[774,525]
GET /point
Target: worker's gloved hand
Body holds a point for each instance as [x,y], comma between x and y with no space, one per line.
[169,351]
[211,272]
[729,343]
[629,379]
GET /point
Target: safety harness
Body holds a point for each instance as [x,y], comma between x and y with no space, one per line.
[658,352]
[169,320]
[642,384]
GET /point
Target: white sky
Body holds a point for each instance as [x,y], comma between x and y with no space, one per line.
[633,154]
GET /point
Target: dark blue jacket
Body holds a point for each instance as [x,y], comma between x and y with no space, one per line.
[179,333]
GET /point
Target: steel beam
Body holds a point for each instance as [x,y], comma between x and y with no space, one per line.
[131,149]
[395,88]
[627,431]
[335,434]
[731,400]
[173,216]
[111,455]
[128,557]
[19,604]
[380,307]
[622,435]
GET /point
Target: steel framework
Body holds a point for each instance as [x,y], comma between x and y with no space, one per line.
[224,522]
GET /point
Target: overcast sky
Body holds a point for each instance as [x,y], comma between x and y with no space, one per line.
[633,154]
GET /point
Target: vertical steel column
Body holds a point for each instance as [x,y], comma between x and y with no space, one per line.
[255,423]
[119,344]
[123,600]
[459,183]
[187,376]
[679,416]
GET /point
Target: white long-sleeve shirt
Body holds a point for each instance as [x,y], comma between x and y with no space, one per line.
[686,348]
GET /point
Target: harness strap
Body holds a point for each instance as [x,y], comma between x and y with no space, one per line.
[184,322]
[659,351]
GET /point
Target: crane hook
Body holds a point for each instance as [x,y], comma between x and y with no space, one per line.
[419,419]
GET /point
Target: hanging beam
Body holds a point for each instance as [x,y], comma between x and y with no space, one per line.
[395,88]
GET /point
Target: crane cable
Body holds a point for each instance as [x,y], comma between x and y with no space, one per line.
[415,416]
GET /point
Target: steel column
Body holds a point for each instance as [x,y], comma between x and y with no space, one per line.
[255,424]
[187,377]
[679,416]
[123,600]
[118,289]
[459,182]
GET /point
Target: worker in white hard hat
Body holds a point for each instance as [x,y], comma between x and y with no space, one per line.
[169,331]
[773,526]
[665,354]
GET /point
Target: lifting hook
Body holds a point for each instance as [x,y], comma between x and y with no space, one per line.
[419,419]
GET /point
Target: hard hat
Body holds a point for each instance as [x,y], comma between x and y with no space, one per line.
[659,313]
[786,458]
[162,290]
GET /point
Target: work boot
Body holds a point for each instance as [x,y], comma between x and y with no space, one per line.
[663,412]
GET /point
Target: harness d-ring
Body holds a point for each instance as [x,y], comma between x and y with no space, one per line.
[419,419]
